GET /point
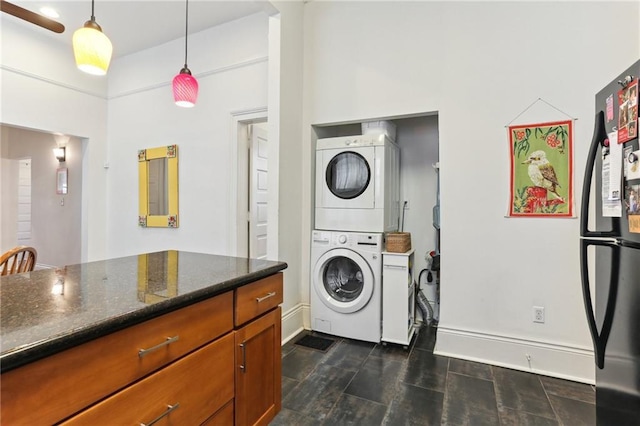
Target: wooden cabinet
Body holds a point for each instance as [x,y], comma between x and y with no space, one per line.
[216,362]
[398,297]
[53,388]
[258,355]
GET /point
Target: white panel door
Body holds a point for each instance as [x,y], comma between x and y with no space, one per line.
[258,194]
[24,202]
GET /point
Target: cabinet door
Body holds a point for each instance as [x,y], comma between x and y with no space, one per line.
[258,370]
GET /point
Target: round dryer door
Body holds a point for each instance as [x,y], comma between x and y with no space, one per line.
[348,175]
[343,280]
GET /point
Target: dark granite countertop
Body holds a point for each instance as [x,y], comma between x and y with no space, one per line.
[47,311]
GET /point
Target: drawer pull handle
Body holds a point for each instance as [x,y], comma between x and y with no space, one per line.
[144,352]
[260,299]
[395,266]
[170,408]
[243,366]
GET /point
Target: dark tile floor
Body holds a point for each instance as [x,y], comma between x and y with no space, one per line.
[359,383]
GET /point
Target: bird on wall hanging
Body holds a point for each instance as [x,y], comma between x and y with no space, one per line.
[32,17]
[542,173]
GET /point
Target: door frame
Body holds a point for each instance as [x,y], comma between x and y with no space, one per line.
[238,243]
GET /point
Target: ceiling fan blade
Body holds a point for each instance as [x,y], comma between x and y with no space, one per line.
[32,17]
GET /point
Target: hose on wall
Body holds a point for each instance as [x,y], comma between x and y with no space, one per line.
[424,306]
[423,303]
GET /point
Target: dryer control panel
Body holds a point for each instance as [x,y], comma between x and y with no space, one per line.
[361,141]
[341,142]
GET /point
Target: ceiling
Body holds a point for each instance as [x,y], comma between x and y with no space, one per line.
[137,25]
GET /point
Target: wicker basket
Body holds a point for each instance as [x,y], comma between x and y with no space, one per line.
[398,242]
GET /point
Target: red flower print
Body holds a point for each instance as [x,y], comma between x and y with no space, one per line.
[519,135]
[552,140]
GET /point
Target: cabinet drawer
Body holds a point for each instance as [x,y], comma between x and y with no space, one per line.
[395,262]
[224,416]
[254,299]
[186,392]
[51,389]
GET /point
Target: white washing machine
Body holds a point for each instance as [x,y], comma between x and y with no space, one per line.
[346,284]
[357,184]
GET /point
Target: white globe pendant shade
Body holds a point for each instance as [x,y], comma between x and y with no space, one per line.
[92,49]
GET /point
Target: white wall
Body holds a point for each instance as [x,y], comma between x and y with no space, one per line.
[230,63]
[8,195]
[419,151]
[285,127]
[43,90]
[478,64]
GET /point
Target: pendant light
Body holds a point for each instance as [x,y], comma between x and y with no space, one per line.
[185,86]
[91,48]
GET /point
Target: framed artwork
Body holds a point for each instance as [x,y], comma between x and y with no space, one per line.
[541,178]
[62,178]
[158,187]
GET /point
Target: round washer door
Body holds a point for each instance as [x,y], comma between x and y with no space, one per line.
[343,280]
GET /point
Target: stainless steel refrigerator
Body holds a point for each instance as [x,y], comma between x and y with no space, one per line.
[614,246]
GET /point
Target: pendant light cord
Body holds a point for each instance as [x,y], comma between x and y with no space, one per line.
[186,33]
[93,18]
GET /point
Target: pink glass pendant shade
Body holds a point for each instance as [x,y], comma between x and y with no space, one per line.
[185,88]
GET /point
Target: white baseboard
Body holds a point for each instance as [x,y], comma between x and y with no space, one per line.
[549,359]
[292,322]
[43,266]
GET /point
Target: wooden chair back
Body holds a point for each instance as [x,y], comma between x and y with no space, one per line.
[17,260]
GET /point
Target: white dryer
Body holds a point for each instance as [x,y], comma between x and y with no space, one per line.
[346,284]
[357,184]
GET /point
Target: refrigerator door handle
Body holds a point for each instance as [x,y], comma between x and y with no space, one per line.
[600,338]
[599,136]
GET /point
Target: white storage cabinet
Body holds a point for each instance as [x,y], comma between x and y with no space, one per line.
[398,297]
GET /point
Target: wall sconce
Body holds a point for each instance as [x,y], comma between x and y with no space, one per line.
[60,154]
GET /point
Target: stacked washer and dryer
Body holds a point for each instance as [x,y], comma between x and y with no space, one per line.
[357,201]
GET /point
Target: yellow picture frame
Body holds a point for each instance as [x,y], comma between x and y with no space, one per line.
[145,219]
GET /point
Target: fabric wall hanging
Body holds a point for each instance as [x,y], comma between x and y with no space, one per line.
[541,178]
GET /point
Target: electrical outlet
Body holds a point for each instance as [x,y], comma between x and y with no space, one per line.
[538,314]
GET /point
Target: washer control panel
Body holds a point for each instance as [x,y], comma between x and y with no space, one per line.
[353,240]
